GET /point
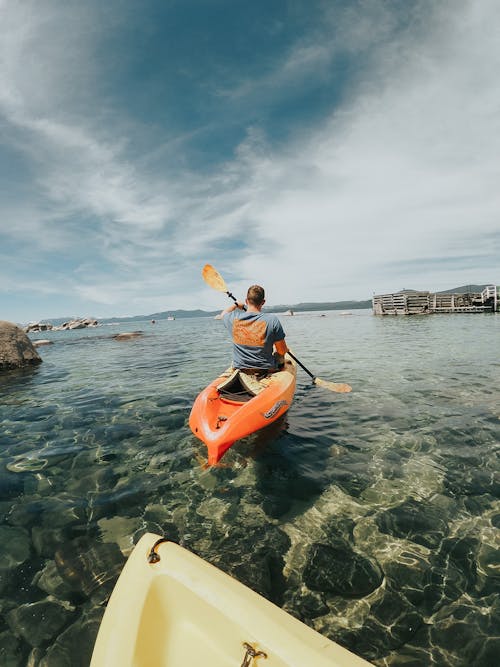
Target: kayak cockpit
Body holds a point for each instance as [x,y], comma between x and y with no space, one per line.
[178,610]
[240,386]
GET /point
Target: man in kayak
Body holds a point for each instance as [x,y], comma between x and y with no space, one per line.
[254,334]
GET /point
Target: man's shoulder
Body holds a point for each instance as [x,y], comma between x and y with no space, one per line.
[271,317]
[228,317]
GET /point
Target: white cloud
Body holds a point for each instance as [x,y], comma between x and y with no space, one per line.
[403,171]
[407,170]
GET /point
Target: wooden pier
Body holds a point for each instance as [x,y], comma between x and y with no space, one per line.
[409,302]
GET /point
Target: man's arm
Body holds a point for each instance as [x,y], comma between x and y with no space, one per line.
[281,347]
[230,308]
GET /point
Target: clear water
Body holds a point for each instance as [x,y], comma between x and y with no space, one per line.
[373,516]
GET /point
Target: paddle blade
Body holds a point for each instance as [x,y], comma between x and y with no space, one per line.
[339,387]
[213,278]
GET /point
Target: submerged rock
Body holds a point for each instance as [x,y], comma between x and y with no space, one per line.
[419,522]
[408,571]
[47,540]
[15,548]
[16,349]
[40,343]
[336,568]
[35,327]
[73,648]
[87,571]
[39,622]
[50,581]
[78,323]
[120,530]
[309,605]
[260,567]
[130,335]
[467,632]
[10,650]
[11,486]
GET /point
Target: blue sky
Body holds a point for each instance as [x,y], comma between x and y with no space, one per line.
[324,149]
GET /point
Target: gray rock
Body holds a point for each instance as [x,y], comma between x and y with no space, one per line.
[39,343]
[73,648]
[46,541]
[129,335]
[10,651]
[15,548]
[34,657]
[38,326]
[11,486]
[336,568]
[86,571]
[420,522]
[78,323]
[16,349]
[50,581]
[39,622]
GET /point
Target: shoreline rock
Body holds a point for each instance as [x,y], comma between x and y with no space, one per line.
[77,323]
[39,343]
[130,335]
[16,349]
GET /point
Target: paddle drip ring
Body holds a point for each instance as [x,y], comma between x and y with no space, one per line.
[250,654]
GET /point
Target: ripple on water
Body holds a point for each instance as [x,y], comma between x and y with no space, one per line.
[372,516]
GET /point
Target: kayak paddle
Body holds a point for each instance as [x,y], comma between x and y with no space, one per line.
[339,387]
[214,279]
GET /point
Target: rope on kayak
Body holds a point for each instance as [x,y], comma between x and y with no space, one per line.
[250,654]
[154,556]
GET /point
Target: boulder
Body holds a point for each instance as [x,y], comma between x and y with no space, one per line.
[39,343]
[78,323]
[39,622]
[336,568]
[129,335]
[35,327]
[16,349]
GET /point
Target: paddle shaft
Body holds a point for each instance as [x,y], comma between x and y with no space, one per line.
[301,365]
[231,296]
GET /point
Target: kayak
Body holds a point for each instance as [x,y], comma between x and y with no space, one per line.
[237,404]
[170,608]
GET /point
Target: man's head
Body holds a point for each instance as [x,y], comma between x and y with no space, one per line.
[256,296]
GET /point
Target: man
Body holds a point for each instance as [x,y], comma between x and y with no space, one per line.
[254,333]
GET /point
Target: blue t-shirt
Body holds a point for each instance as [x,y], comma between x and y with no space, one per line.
[253,337]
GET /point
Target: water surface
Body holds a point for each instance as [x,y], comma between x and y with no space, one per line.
[373,516]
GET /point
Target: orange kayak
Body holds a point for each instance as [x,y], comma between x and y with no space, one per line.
[236,404]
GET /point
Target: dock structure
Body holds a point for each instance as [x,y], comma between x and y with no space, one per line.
[410,302]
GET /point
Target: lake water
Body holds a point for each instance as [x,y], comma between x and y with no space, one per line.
[372,516]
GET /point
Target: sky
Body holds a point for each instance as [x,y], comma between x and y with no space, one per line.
[325,149]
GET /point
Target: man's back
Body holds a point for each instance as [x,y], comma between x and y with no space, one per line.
[253,334]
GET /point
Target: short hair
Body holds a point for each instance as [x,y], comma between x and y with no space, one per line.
[256,295]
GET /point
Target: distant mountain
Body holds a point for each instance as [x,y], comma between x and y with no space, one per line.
[465,289]
[323,305]
[297,308]
[178,314]
[282,308]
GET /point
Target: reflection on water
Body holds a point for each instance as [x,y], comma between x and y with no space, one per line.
[372,516]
